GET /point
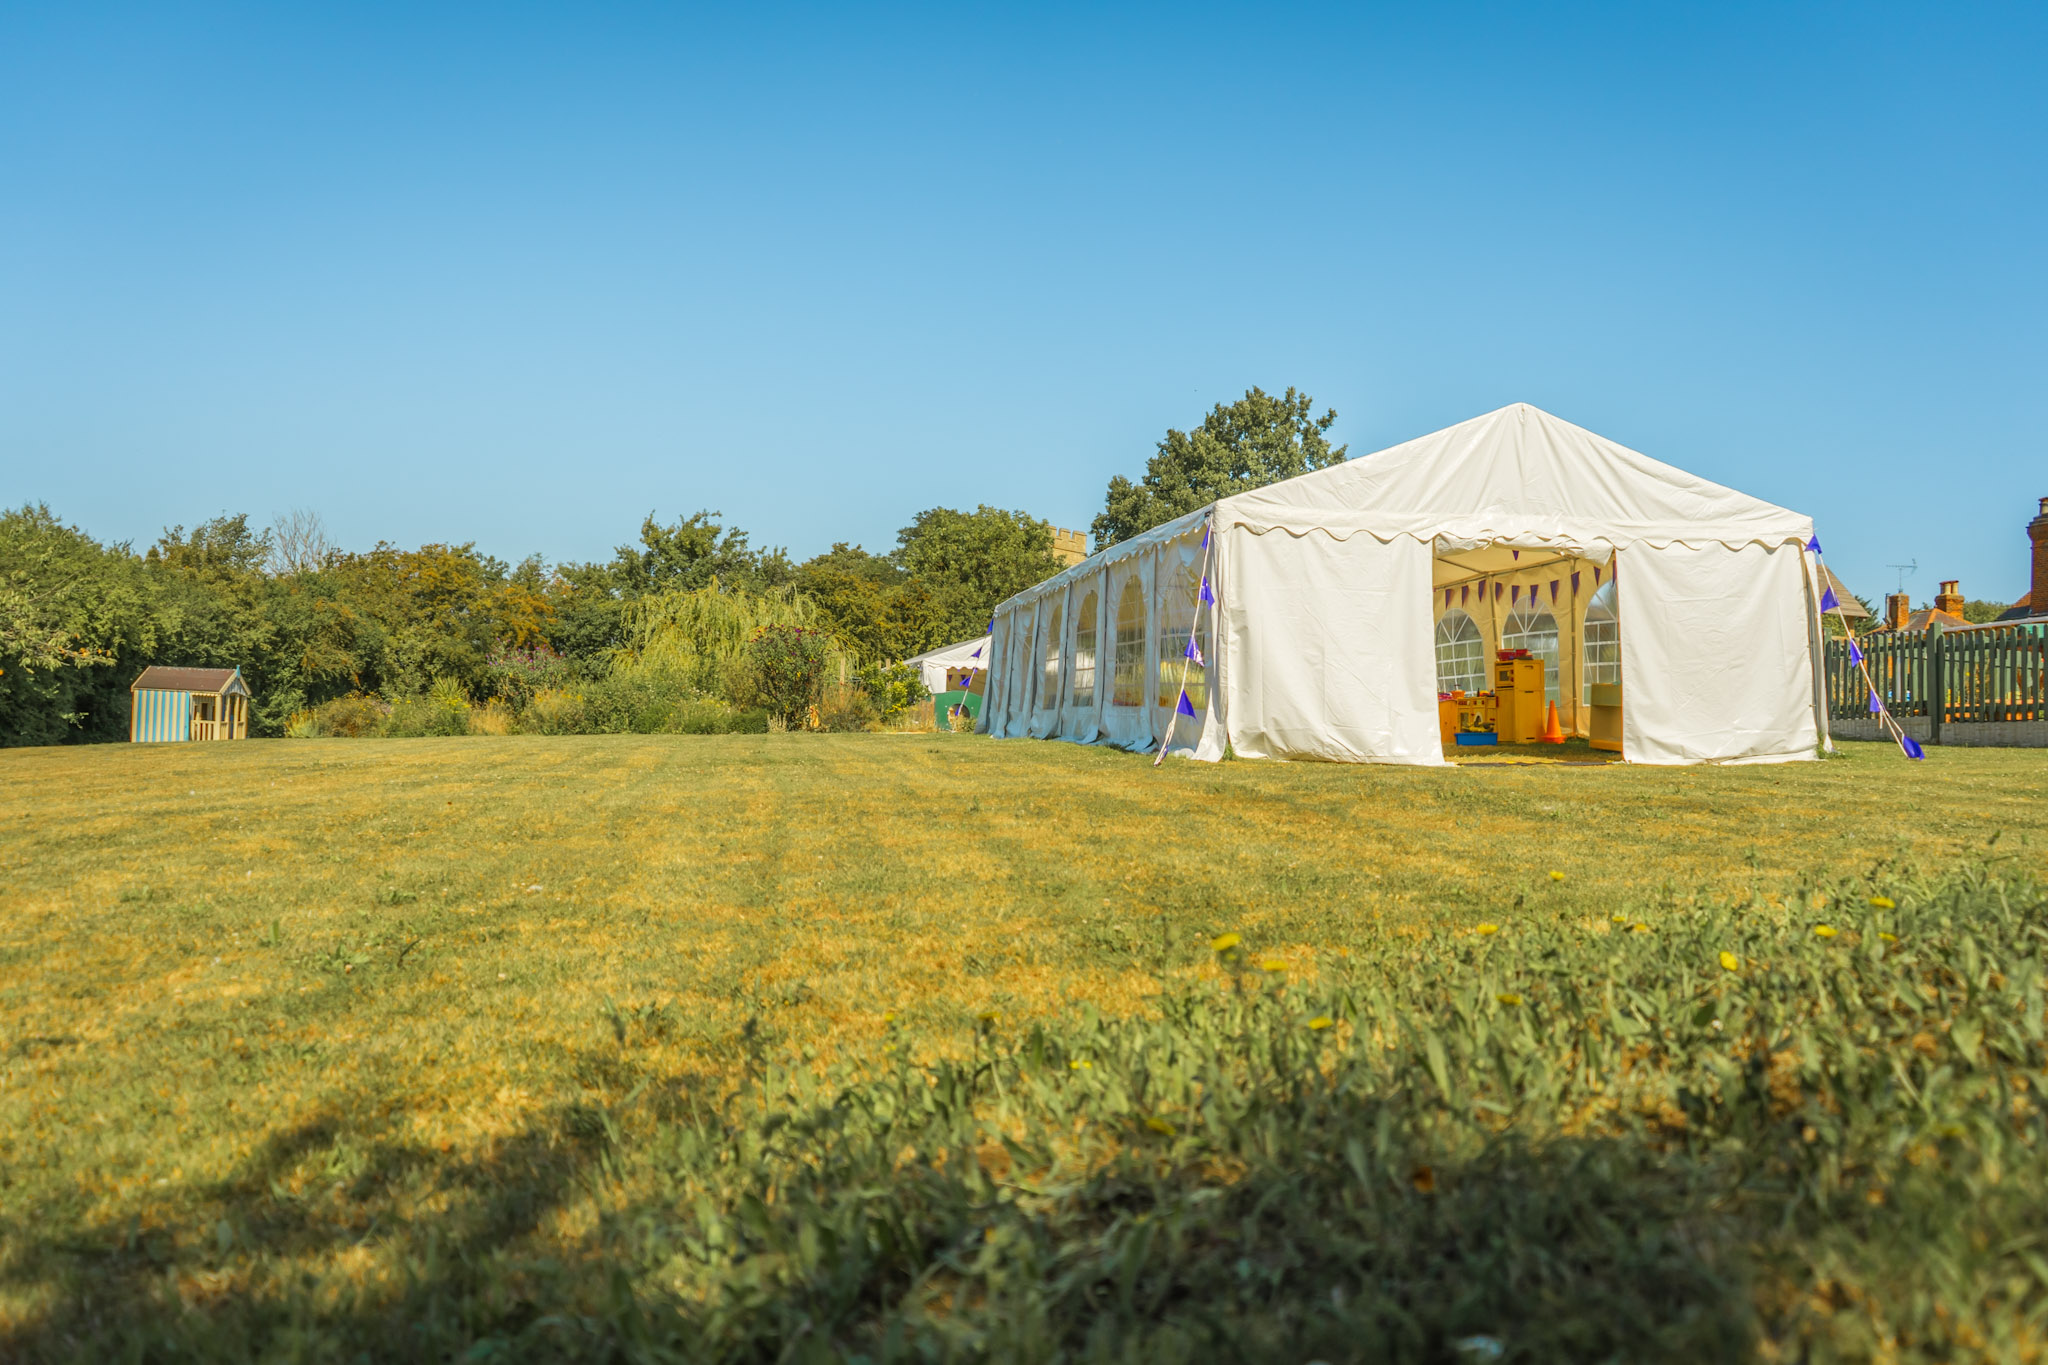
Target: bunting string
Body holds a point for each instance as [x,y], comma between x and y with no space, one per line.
[1192,655]
[1909,746]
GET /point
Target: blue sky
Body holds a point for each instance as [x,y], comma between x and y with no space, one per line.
[519,275]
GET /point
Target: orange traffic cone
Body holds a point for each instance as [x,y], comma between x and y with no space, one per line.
[1552,732]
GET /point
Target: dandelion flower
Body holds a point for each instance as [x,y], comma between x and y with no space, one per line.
[1159,1126]
[1486,929]
[1729,961]
[1824,930]
[1272,964]
[889,1016]
[1509,999]
[1888,938]
[1321,1021]
[1639,928]
[989,1016]
[1080,1064]
[1556,876]
[1620,919]
[1223,943]
[1884,902]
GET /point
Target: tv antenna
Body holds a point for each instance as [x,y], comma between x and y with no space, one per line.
[1905,569]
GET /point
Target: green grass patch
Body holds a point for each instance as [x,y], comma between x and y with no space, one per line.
[677,1049]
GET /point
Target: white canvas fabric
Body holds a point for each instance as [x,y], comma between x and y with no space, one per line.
[1693,692]
[1322,642]
[1322,635]
[932,665]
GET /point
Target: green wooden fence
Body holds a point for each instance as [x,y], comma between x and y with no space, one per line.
[1953,677]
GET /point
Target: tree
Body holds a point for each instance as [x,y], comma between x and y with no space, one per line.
[1255,441]
[967,562]
[689,554]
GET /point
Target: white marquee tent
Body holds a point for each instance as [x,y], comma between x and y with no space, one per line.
[1347,597]
[935,666]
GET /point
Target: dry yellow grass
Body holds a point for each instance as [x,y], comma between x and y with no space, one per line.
[208,953]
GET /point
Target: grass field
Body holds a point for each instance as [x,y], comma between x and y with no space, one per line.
[313,1047]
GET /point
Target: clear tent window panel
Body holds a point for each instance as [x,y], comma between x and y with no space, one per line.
[1460,654]
[1128,684]
[1602,640]
[1084,652]
[1180,588]
[1049,682]
[1535,631]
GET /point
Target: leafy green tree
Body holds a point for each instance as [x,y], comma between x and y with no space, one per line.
[1255,441]
[73,613]
[967,562]
[691,553]
[791,666]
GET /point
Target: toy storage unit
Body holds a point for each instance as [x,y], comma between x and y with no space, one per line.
[1518,697]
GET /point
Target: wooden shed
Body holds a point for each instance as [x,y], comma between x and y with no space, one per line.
[171,705]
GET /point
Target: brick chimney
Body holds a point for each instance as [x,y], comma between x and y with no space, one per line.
[1897,607]
[1948,599]
[2037,530]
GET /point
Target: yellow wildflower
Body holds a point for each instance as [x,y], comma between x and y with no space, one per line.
[1824,930]
[1556,876]
[1884,902]
[1080,1064]
[1639,928]
[989,1016]
[1223,943]
[1888,938]
[1509,999]
[1486,929]
[1272,964]
[889,1016]
[1321,1021]
[1160,1126]
[1730,962]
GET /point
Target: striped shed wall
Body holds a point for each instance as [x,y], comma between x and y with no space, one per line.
[168,705]
[162,717]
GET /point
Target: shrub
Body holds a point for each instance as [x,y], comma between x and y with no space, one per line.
[444,710]
[847,709]
[554,711]
[791,663]
[894,689]
[706,716]
[518,674]
[349,717]
[494,717]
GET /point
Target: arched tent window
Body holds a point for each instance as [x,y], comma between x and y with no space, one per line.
[1603,639]
[1535,631]
[1084,653]
[1128,686]
[1180,585]
[1460,654]
[1049,684]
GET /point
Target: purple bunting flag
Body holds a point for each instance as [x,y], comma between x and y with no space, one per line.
[976,654]
[1497,590]
[1575,582]
[1447,597]
[1553,592]
[1855,654]
[1465,594]
[1876,706]
[1186,707]
[1596,575]
[1194,652]
[1912,747]
[1813,545]
[1205,535]
[1208,598]
[1515,593]
[1828,600]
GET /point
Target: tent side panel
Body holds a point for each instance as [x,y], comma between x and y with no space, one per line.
[1331,649]
[1716,659]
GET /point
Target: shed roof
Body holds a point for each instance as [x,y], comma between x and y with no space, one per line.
[1851,608]
[158,679]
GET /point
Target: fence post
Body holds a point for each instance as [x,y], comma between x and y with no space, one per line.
[1937,681]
